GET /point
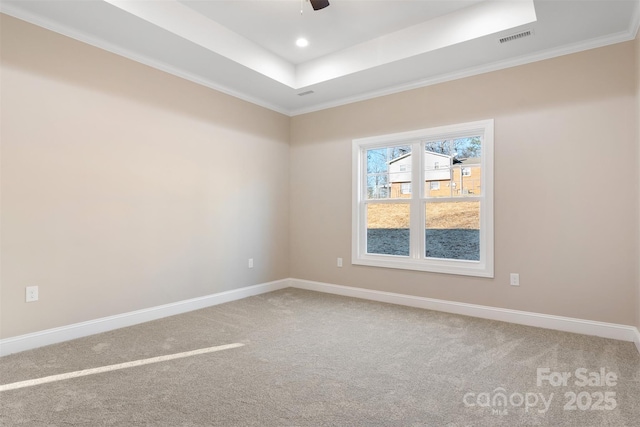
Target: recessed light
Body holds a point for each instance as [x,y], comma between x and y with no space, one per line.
[302,42]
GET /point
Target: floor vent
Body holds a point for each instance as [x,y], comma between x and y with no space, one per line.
[309,92]
[513,37]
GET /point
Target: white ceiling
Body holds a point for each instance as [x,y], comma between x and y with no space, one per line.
[357,49]
[275,25]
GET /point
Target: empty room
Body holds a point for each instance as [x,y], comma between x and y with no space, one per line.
[320,213]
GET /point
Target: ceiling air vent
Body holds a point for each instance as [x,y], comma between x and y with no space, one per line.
[309,92]
[513,37]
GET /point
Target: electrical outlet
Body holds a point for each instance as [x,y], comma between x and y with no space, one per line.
[250,262]
[31,294]
[515,279]
[339,262]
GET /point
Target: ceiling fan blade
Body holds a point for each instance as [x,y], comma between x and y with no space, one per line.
[319,4]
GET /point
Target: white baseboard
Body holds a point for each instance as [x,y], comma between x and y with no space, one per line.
[546,321]
[91,327]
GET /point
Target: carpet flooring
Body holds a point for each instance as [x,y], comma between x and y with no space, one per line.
[313,359]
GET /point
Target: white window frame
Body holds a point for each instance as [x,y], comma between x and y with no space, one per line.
[416,259]
[434,185]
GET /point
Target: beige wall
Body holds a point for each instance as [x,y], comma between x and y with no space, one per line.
[116,190]
[123,187]
[575,246]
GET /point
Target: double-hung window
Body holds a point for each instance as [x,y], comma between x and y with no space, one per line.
[423,200]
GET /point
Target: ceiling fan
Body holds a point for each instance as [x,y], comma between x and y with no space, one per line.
[319,4]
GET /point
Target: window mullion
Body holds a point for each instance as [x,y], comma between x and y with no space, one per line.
[362,204]
[417,214]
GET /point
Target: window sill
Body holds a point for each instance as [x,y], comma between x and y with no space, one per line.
[457,267]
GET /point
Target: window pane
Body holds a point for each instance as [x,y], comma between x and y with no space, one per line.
[388,168]
[388,229]
[452,230]
[452,168]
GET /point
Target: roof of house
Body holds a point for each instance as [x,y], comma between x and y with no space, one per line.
[471,161]
[404,156]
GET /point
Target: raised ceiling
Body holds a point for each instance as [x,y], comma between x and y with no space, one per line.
[357,49]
